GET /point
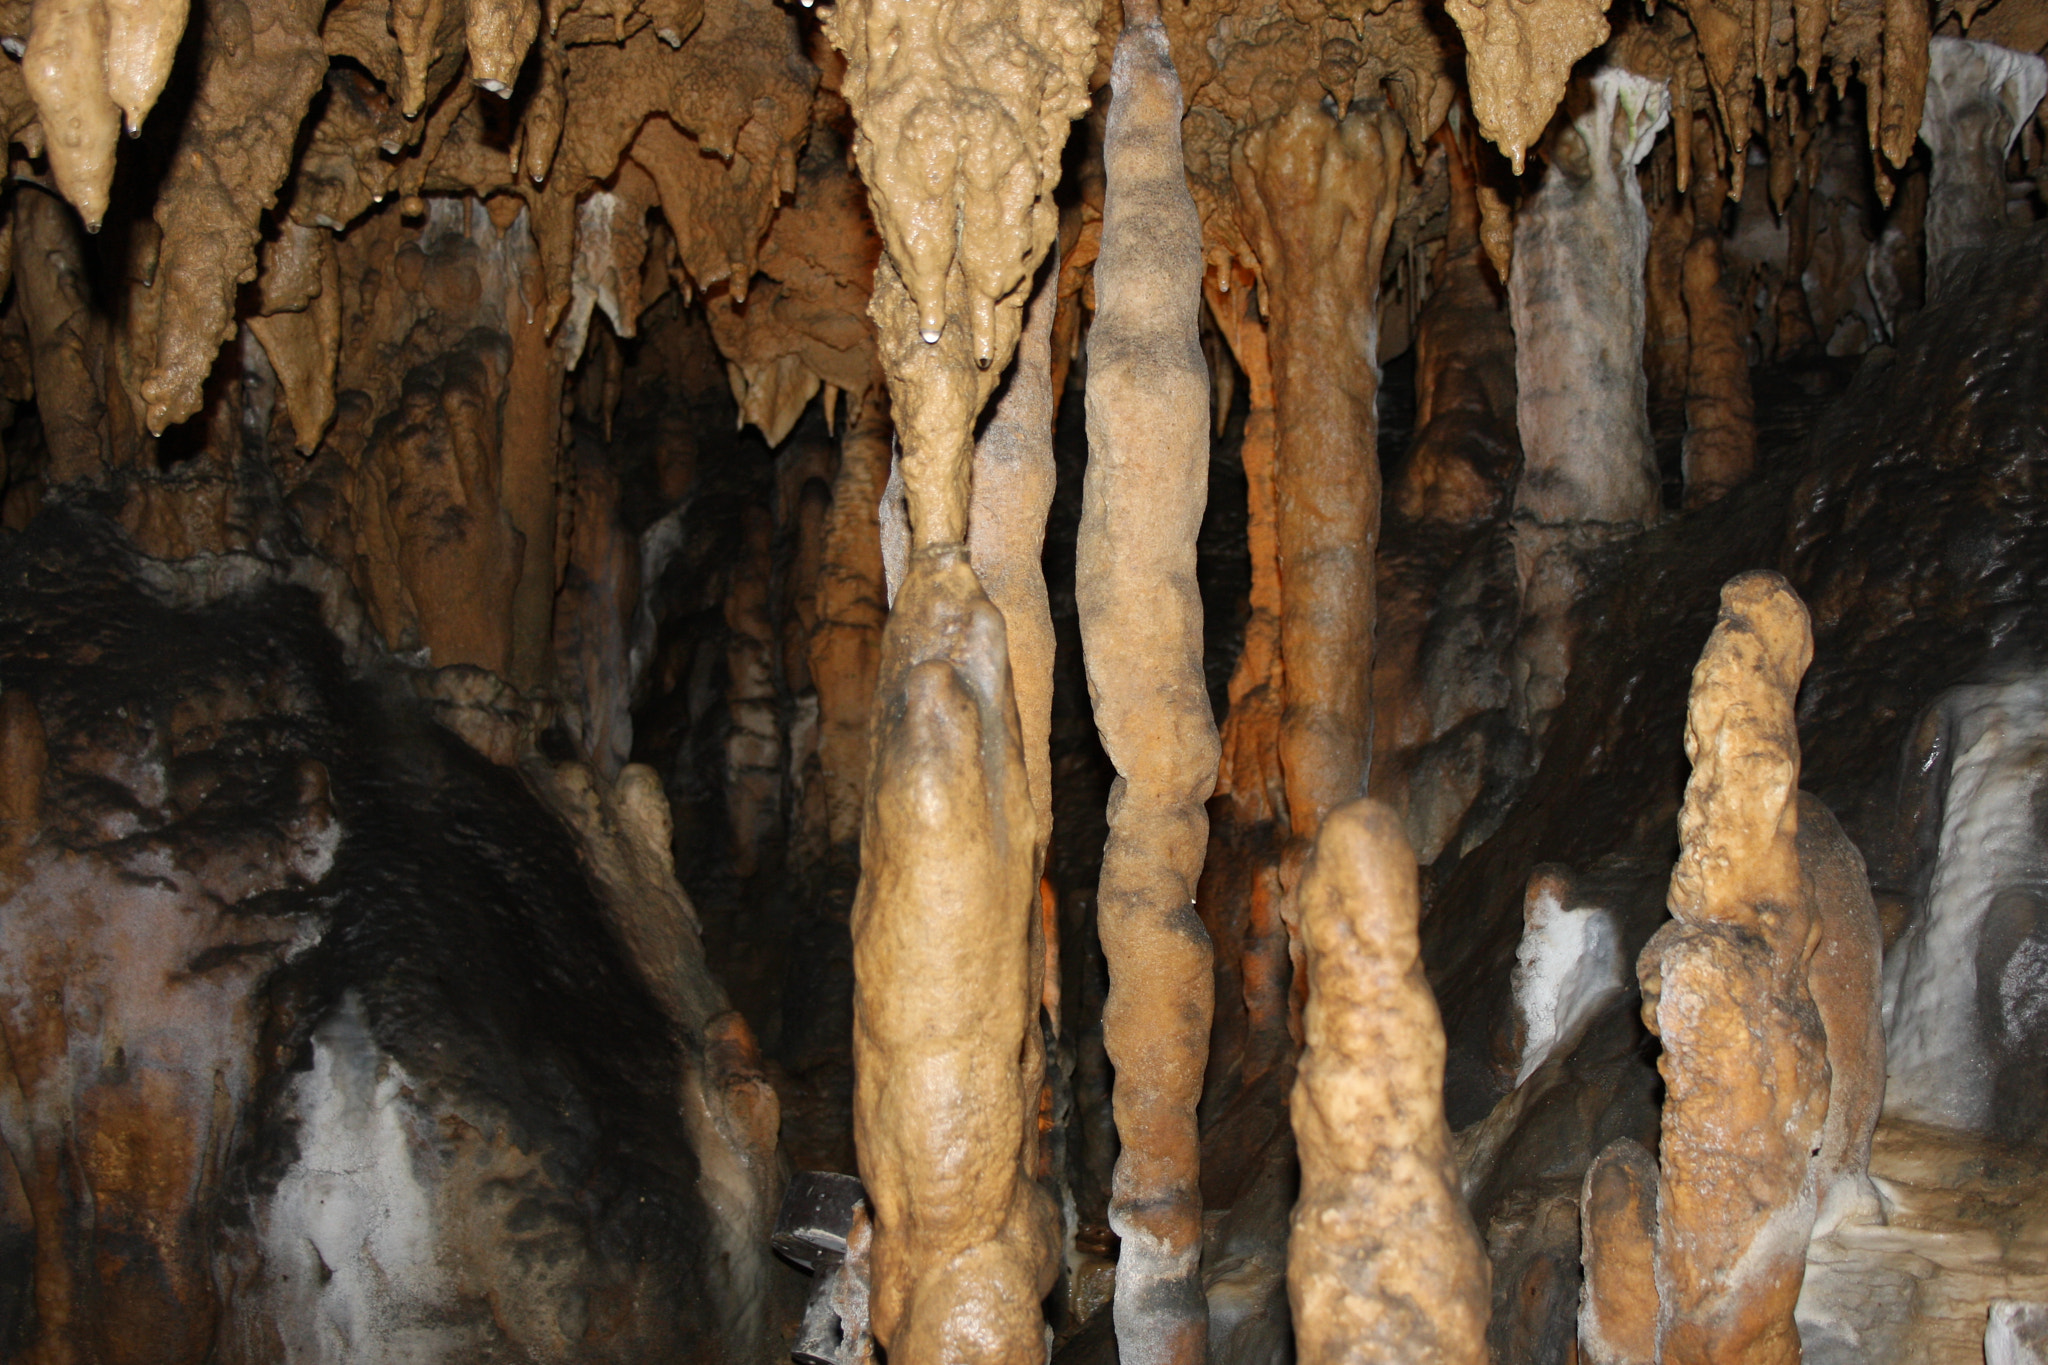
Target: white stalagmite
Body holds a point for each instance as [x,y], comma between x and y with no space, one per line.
[1938,1043]
[1979,97]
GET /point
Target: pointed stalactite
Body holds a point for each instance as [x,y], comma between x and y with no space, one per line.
[846,644]
[1384,1266]
[1745,1061]
[946,1092]
[1141,632]
[1320,194]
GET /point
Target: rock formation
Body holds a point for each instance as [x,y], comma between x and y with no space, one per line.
[1383,1263]
[1979,96]
[1745,1060]
[1141,628]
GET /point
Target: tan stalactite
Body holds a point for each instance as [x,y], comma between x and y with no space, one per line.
[304,344]
[935,391]
[500,34]
[142,40]
[846,644]
[420,28]
[256,77]
[1250,766]
[1320,196]
[1141,632]
[65,66]
[961,113]
[528,453]
[946,1079]
[1519,57]
[64,335]
[1012,493]
[1745,1062]
[1383,1264]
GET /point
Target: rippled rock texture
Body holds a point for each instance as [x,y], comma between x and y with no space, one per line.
[322,1043]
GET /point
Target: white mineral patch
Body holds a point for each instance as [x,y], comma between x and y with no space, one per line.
[2016,1334]
[1935,1044]
[348,1238]
[1567,967]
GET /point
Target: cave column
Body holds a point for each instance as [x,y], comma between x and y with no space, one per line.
[1979,96]
[1320,198]
[1141,631]
[1589,470]
[959,119]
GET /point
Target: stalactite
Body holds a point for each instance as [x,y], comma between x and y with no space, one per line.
[946,1100]
[851,609]
[1319,192]
[66,70]
[1141,612]
[1520,60]
[1383,1264]
[1725,988]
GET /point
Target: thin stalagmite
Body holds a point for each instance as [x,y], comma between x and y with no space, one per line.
[1141,632]
[1383,1265]
[1720,412]
[1618,1241]
[851,610]
[1725,987]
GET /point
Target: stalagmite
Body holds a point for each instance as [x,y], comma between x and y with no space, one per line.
[1383,1263]
[1618,1215]
[1949,1004]
[960,115]
[1589,471]
[1979,98]
[1725,986]
[946,1104]
[1720,413]
[1141,631]
[845,645]
[1319,194]
[1844,976]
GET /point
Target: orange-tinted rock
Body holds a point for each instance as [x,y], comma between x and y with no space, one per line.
[1141,633]
[1383,1264]
[1618,1314]
[1745,1060]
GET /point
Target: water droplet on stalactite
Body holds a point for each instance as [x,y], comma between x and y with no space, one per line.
[13,46]
[931,337]
[669,36]
[498,88]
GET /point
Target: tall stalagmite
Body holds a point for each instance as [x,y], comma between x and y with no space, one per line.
[1141,630]
[1384,1266]
[1725,986]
